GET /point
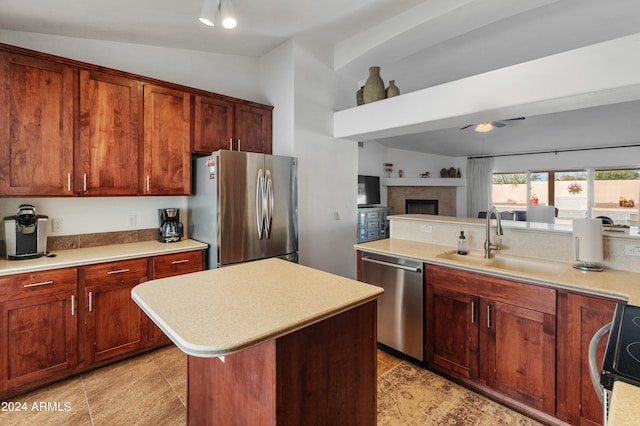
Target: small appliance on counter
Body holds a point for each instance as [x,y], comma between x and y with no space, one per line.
[170,225]
[24,236]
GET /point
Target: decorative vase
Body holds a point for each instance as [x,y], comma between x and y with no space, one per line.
[373,87]
[458,175]
[392,90]
[359,96]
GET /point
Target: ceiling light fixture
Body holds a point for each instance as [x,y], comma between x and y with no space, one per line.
[484,127]
[227,15]
[218,11]
[209,12]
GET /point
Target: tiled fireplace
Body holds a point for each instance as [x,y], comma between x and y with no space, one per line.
[423,198]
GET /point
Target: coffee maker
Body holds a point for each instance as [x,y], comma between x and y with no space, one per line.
[170,226]
[24,235]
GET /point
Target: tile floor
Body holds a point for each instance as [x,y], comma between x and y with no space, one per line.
[150,389]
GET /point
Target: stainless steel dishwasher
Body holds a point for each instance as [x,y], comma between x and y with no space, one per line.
[401,306]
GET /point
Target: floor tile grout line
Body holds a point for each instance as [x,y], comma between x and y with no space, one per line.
[168,381]
[86,399]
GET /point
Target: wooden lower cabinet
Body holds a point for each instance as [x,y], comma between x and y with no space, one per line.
[499,334]
[114,324]
[171,265]
[38,328]
[579,318]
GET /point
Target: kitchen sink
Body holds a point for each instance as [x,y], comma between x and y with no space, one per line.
[513,264]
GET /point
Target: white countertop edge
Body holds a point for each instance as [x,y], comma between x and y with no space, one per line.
[124,251]
[202,351]
[547,281]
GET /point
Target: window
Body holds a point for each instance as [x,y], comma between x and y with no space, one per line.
[615,194]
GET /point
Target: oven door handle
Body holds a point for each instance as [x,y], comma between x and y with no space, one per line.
[593,368]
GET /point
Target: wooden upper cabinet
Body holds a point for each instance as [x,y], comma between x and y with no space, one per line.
[213,124]
[36,126]
[253,128]
[167,141]
[110,110]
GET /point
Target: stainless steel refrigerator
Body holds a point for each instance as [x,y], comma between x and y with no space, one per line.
[245,206]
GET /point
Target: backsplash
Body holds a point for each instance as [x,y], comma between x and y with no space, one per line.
[67,242]
[538,243]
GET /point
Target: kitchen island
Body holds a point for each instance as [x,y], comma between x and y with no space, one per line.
[271,342]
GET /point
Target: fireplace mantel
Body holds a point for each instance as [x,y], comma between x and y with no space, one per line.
[424,182]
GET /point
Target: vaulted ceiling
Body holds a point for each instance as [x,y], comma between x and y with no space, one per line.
[418,43]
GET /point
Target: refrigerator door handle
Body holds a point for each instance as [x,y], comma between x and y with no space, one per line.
[269,202]
[260,203]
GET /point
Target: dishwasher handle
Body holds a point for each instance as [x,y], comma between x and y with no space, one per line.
[393,265]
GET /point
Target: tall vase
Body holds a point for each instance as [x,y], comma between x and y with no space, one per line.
[374,86]
[392,89]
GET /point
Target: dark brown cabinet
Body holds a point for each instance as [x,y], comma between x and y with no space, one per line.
[38,327]
[36,126]
[498,333]
[253,128]
[171,265]
[579,318]
[114,324]
[167,141]
[226,124]
[109,135]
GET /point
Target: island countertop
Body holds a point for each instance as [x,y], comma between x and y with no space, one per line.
[222,311]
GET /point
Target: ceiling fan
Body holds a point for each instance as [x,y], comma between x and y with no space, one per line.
[487,126]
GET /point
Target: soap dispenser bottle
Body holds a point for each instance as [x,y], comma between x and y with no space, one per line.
[462,244]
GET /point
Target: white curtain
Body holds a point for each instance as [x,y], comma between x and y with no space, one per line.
[479,180]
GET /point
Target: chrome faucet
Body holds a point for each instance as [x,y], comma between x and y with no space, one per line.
[488,246]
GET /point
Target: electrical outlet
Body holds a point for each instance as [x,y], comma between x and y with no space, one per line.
[57,225]
[631,250]
[426,228]
[132,221]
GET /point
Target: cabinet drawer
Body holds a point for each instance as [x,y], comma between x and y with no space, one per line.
[113,272]
[177,264]
[37,283]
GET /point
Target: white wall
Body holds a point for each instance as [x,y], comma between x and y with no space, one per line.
[372,156]
[229,75]
[327,166]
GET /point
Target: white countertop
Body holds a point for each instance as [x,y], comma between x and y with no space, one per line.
[222,311]
[90,255]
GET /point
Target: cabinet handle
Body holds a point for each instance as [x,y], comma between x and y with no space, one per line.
[118,271]
[148,183]
[69,182]
[84,182]
[488,316]
[38,284]
[73,305]
[230,144]
[175,262]
[90,301]
[473,312]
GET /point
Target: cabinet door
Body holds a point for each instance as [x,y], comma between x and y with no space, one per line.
[213,124]
[109,143]
[167,141]
[171,265]
[36,126]
[517,353]
[452,331]
[40,337]
[115,325]
[579,318]
[253,129]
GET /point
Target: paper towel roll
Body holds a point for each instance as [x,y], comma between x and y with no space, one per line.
[587,237]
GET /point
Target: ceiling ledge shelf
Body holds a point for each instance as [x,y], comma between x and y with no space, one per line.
[424,182]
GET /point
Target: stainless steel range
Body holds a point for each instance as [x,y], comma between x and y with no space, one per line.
[622,357]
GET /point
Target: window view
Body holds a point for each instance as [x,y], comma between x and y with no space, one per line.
[615,193]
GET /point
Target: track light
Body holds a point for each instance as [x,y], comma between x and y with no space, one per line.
[209,12]
[227,15]
[214,10]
